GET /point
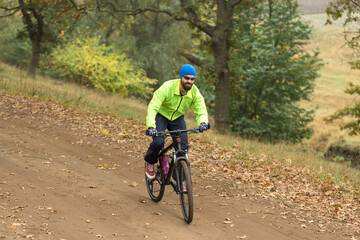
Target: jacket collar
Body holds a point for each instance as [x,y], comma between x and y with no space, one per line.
[177,90]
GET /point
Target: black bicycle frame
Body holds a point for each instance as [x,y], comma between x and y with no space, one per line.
[174,163]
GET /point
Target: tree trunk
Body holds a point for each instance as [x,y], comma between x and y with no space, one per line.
[36,32]
[222,91]
[221,47]
[35,58]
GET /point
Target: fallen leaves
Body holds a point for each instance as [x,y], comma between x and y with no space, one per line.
[241,237]
[133,184]
[142,200]
[12,227]
[272,178]
[105,166]
[105,132]
[250,212]
[276,179]
[227,221]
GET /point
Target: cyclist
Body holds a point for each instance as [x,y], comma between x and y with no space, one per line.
[166,111]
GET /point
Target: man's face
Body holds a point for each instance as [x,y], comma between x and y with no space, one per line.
[187,82]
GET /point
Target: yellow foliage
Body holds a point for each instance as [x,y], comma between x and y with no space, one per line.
[95,65]
[105,132]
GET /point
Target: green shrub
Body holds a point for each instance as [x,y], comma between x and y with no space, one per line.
[339,159]
[15,48]
[350,114]
[92,64]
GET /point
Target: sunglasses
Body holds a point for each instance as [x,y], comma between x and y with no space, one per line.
[189,78]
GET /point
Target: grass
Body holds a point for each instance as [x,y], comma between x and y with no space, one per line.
[71,95]
[298,155]
[13,80]
[328,97]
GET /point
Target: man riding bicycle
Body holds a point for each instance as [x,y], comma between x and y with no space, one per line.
[166,111]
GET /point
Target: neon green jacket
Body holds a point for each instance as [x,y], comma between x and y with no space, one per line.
[168,101]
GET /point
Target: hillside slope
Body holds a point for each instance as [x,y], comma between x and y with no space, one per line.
[313,6]
[63,177]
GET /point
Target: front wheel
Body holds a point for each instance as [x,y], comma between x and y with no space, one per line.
[156,186]
[186,194]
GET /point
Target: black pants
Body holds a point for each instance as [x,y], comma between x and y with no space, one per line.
[157,144]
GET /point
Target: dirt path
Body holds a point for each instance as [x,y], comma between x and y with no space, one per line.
[53,186]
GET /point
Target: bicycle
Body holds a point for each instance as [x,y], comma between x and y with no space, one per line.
[179,165]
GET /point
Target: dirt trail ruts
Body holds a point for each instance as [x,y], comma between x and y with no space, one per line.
[52,186]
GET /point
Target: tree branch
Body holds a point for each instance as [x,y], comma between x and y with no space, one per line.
[192,16]
[76,6]
[10,14]
[233,3]
[10,9]
[29,23]
[192,58]
[355,2]
[14,10]
[194,19]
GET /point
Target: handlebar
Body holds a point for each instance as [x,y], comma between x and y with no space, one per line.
[177,132]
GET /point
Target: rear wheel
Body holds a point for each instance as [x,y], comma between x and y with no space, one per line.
[186,194]
[156,186]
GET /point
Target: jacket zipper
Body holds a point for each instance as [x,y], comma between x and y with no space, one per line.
[176,108]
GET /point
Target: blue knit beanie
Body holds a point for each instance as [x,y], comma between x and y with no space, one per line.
[187,69]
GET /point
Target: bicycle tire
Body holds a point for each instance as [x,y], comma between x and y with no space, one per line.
[156,186]
[186,198]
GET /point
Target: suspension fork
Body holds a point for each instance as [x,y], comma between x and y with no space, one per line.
[178,141]
[177,175]
[176,162]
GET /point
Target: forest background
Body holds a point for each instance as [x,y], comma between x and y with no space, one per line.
[265,69]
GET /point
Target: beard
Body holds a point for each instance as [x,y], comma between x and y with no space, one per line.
[185,86]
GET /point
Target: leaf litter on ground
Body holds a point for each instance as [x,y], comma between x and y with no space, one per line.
[323,202]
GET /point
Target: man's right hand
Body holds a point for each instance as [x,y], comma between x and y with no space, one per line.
[151,132]
[204,127]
